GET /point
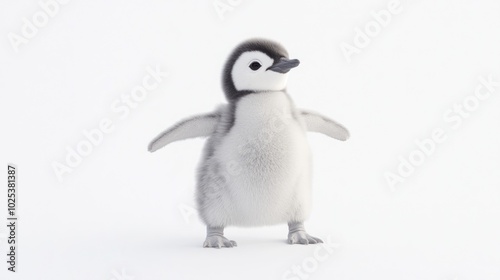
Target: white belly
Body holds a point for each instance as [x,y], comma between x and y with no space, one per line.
[266,160]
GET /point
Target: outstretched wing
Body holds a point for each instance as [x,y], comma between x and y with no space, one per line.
[318,123]
[197,126]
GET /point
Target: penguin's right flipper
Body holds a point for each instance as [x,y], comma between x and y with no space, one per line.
[197,126]
[318,123]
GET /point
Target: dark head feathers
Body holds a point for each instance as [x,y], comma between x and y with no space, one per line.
[271,48]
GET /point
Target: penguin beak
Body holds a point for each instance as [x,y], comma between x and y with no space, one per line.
[284,65]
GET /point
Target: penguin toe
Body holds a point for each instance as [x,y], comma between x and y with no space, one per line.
[293,239]
[317,240]
[218,242]
[301,237]
[312,240]
[304,241]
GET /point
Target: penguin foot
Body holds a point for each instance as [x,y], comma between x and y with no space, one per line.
[297,234]
[301,237]
[218,241]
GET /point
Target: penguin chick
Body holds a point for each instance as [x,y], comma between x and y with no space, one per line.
[255,169]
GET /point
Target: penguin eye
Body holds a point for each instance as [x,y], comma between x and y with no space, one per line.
[255,66]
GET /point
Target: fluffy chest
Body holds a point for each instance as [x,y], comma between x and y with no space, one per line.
[266,141]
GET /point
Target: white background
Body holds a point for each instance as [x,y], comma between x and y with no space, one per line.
[119,210]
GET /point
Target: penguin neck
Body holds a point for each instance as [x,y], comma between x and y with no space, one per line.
[260,107]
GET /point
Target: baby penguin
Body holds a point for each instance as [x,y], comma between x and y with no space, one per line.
[255,169]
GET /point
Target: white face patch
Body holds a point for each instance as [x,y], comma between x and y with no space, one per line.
[247,75]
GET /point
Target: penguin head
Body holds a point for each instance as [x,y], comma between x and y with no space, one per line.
[256,65]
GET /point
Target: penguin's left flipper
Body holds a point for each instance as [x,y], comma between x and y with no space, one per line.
[318,123]
[196,126]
